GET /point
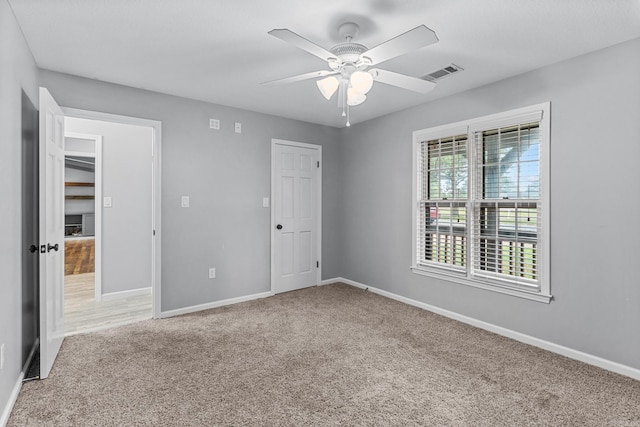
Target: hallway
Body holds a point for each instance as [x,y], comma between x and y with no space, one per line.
[82,313]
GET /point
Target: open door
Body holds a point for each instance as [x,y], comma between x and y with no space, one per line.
[51,231]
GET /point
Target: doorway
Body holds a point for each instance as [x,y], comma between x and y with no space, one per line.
[296,194]
[108,223]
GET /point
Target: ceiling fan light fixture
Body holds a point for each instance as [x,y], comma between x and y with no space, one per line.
[361,81]
[354,97]
[328,86]
[349,64]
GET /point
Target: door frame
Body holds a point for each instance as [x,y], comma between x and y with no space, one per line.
[274,143]
[156,190]
[97,156]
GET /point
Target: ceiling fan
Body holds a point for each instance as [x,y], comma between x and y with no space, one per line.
[350,73]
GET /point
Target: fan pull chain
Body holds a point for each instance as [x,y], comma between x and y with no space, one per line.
[345,106]
[348,116]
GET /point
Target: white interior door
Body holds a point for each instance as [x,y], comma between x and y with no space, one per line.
[296,207]
[51,231]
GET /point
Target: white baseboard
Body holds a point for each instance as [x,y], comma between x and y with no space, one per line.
[126,294]
[527,339]
[214,304]
[6,412]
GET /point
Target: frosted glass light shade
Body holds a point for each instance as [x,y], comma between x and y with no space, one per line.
[328,86]
[362,82]
[354,97]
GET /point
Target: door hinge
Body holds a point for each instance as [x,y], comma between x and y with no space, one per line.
[317,264]
[318,163]
[154,232]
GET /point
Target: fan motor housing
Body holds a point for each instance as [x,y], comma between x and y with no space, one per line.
[348,53]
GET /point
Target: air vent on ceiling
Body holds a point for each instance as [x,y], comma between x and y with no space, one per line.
[446,71]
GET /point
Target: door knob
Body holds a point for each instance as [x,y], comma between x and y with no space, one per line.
[279,226]
[54,247]
[33,248]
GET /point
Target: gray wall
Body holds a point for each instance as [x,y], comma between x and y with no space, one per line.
[595,183]
[126,178]
[226,176]
[17,70]
[367,196]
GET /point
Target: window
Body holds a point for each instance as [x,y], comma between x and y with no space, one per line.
[481,202]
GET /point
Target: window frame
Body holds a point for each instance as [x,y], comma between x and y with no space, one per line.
[535,113]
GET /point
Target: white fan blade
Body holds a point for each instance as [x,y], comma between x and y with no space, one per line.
[302,43]
[300,77]
[420,36]
[400,80]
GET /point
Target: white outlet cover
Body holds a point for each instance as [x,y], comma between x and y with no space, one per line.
[184,202]
[265,202]
[212,273]
[214,124]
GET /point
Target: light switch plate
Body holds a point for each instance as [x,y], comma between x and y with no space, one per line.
[238,127]
[265,202]
[107,202]
[184,202]
[214,124]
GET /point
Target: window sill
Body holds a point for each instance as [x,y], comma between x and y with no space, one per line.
[462,280]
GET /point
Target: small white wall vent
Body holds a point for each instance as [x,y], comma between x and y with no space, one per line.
[446,71]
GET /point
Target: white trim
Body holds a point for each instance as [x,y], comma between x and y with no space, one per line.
[97,243]
[214,304]
[518,336]
[444,131]
[13,397]
[532,113]
[126,294]
[493,285]
[156,190]
[78,153]
[274,142]
[97,156]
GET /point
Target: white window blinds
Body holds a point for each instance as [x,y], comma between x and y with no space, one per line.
[442,224]
[505,219]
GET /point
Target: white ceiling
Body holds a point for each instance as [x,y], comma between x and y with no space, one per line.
[219,50]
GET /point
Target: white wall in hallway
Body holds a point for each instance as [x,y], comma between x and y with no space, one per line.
[126,178]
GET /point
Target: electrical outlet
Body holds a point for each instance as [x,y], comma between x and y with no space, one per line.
[238,127]
[1,357]
[214,124]
[184,202]
[212,273]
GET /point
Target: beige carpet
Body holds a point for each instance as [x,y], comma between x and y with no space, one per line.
[332,355]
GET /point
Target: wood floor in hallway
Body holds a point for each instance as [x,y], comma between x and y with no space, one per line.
[79,256]
[82,313]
